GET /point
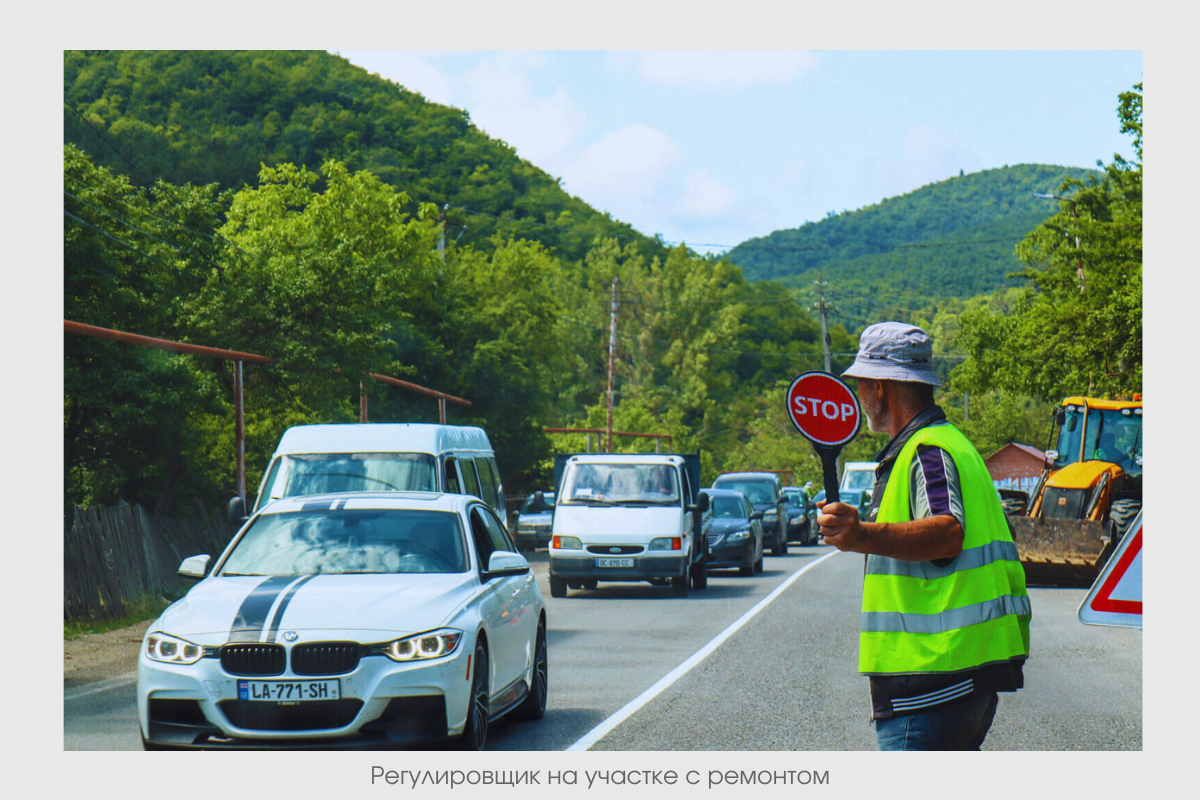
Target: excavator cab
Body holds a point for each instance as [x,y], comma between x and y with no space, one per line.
[1089,493]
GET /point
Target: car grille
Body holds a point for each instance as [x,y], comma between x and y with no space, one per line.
[715,539]
[252,659]
[312,715]
[325,658]
[615,549]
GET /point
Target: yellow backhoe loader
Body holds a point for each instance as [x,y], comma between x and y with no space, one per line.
[1088,494]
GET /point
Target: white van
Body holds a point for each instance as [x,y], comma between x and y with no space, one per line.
[629,518]
[372,457]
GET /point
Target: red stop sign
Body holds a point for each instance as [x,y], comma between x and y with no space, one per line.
[823,408]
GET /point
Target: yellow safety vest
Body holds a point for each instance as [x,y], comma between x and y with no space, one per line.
[921,618]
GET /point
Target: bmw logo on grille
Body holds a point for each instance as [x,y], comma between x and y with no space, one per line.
[290,636]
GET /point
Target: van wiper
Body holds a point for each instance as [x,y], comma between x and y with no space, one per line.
[588,501]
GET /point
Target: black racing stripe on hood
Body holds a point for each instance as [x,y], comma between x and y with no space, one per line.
[283,604]
[252,615]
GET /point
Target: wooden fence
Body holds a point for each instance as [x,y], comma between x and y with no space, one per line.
[120,555]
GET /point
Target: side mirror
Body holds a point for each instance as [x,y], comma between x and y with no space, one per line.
[756,515]
[1051,456]
[1060,415]
[236,511]
[194,567]
[701,504]
[503,563]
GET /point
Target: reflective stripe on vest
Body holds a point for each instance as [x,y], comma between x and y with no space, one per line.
[920,618]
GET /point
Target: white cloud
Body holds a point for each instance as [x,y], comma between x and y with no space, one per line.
[628,165]
[705,196]
[504,104]
[720,69]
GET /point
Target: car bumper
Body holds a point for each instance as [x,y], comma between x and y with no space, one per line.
[797,529]
[730,555]
[644,568]
[533,537]
[381,703]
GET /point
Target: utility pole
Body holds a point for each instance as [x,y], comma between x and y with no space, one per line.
[1074,216]
[822,306]
[612,350]
[442,232]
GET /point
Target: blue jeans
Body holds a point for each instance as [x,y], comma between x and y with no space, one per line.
[961,725]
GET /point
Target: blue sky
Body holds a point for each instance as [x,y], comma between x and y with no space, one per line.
[715,147]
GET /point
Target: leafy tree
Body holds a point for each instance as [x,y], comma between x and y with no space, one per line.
[1078,327]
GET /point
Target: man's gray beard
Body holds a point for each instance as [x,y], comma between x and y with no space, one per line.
[881,423]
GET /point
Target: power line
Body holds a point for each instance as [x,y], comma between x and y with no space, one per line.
[87,224]
[116,149]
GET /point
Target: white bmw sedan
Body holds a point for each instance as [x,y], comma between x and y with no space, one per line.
[348,620]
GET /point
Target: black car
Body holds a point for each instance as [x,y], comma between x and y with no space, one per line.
[735,540]
[859,498]
[765,492]
[533,523]
[799,529]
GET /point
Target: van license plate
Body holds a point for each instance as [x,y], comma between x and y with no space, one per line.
[614,562]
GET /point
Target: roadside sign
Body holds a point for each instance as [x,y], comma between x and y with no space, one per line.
[825,411]
[1116,596]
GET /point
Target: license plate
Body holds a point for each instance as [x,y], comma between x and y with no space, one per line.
[614,562]
[289,691]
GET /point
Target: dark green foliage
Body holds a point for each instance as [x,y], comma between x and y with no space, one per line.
[1066,335]
[954,238]
[217,116]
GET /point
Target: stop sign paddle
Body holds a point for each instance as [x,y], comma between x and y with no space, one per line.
[825,411]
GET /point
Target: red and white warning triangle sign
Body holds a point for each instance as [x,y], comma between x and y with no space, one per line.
[1116,596]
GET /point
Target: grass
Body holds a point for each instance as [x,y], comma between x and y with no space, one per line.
[148,607]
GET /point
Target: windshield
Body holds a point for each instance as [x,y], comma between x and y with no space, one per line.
[350,541]
[532,506]
[728,508]
[795,499]
[588,484]
[859,479]
[757,492]
[1112,435]
[319,473]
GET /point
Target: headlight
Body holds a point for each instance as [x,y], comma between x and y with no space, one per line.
[567,543]
[666,543]
[737,536]
[172,650]
[424,645]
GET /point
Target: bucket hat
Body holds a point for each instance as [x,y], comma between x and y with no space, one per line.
[894,351]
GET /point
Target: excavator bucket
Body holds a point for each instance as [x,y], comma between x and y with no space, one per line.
[1062,552]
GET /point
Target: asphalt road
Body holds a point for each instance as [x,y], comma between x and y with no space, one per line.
[633,668]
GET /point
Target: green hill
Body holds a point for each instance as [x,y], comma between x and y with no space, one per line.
[214,116]
[954,238]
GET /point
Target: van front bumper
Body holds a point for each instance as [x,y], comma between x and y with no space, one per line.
[644,568]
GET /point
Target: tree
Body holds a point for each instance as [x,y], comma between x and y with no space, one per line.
[1077,329]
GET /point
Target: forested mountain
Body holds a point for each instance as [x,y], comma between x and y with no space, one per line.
[215,116]
[954,238]
[289,205]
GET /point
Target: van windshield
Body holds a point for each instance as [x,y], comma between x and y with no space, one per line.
[318,473]
[595,484]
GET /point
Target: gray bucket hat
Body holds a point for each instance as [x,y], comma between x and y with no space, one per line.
[894,351]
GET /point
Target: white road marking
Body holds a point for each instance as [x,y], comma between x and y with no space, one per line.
[600,731]
[101,686]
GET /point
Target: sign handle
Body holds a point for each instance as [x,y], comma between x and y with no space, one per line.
[829,470]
